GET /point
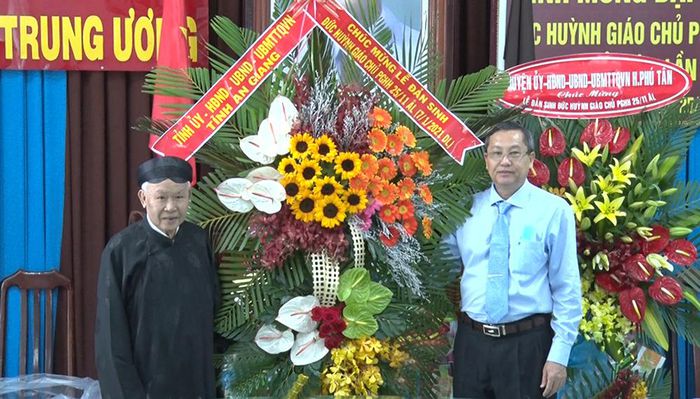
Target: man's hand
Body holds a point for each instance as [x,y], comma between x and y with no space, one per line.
[553,378]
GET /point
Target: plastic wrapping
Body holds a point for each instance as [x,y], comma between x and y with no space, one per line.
[49,386]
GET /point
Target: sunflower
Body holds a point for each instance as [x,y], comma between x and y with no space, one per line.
[330,212]
[287,166]
[394,146]
[380,118]
[327,186]
[406,135]
[325,149]
[305,207]
[348,165]
[302,145]
[292,186]
[377,140]
[356,200]
[308,171]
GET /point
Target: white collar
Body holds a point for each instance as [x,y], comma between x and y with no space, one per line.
[154,227]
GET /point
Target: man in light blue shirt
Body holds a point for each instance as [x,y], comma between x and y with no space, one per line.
[520,288]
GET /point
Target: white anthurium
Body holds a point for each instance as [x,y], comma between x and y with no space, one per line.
[274,341]
[253,147]
[241,195]
[233,194]
[296,313]
[283,106]
[264,173]
[308,348]
[273,136]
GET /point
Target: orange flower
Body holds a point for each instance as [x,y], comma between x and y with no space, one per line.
[369,165]
[374,184]
[386,193]
[407,166]
[427,227]
[388,213]
[380,118]
[377,140]
[387,168]
[406,136]
[411,225]
[406,188]
[405,209]
[422,161]
[425,194]
[359,182]
[394,146]
[392,239]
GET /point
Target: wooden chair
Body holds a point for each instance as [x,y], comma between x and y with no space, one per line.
[38,283]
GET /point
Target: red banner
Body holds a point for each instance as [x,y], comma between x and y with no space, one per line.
[201,122]
[595,85]
[100,35]
[217,105]
[418,103]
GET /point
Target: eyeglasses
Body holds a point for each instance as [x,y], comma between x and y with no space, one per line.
[498,156]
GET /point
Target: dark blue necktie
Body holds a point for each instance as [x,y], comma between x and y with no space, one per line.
[496,306]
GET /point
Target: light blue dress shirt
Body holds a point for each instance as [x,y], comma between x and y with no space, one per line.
[543,265]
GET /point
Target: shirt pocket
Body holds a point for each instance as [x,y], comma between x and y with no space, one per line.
[529,256]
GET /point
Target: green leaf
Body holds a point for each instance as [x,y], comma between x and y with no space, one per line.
[379,298]
[358,295]
[350,279]
[360,322]
[654,327]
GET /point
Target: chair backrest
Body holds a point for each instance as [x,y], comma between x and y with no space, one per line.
[37,283]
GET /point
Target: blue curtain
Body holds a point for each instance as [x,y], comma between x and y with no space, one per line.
[32,165]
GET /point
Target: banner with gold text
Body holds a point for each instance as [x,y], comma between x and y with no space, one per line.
[664,29]
[98,35]
[235,86]
[202,121]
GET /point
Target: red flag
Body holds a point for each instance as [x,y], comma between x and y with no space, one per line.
[172,53]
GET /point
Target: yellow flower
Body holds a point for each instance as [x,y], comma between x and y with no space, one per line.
[587,156]
[580,203]
[639,391]
[348,165]
[606,185]
[325,149]
[609,209]
[308,171]
[302,145]
[621,172]
[287,165]
[356,200]
[327,186]
[330,212]
[292,186]
[305,207]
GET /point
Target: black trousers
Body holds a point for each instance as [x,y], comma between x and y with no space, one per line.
[508,367]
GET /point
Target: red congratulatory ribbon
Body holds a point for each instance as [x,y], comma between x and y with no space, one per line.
[218,104]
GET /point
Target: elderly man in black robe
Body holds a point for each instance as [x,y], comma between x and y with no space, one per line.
[157,293]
